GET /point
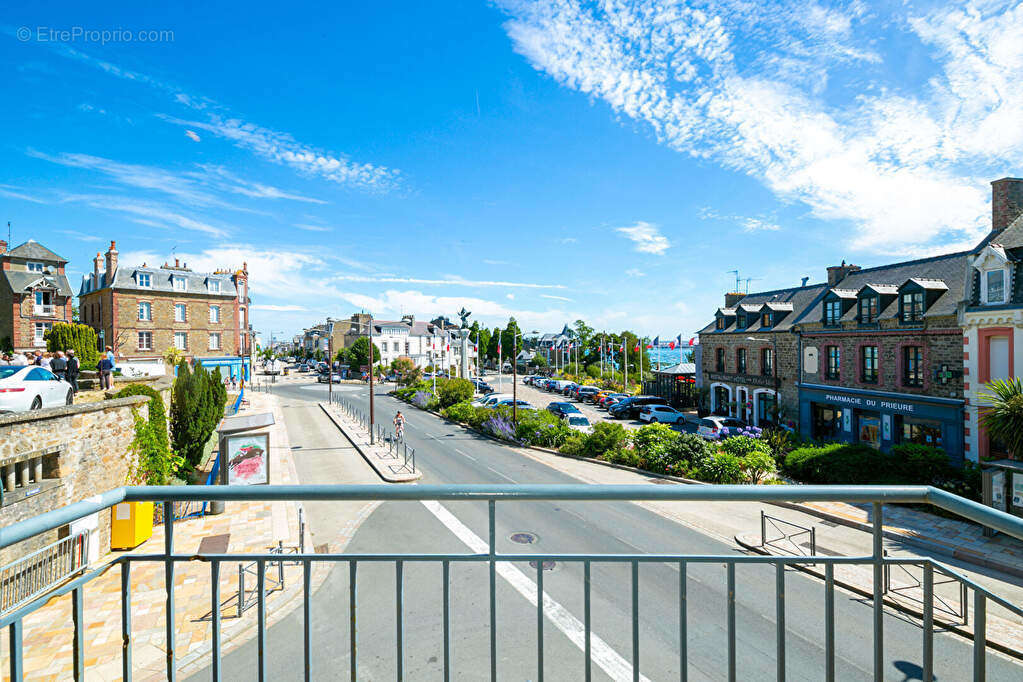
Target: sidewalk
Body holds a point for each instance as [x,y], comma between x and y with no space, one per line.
[256,526]
[389,464]
[739,523]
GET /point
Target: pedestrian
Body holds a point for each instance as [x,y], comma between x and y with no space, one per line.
[20,360]
[45,360]
[71,373]
[106,370]
[113,360]
[58,365]
[36,359]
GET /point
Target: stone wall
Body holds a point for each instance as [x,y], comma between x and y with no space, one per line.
[89,446]
[786,358]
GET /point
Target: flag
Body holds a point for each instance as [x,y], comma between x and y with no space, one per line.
[692,341]
[655,342]
[448,348]
[636,349]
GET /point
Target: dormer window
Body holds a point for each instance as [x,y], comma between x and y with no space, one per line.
[144,279]
[34,267]
[179,283]
[213,286]
[868,309]
[832,312]
[767,319]
[994,286]
[720,322]
[912,306]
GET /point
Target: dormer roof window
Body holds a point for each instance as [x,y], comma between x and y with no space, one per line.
[773,312]
[993,278]
[837,302]
[723,316]
[144,279]
[213,286]
[179,283]
[916,295]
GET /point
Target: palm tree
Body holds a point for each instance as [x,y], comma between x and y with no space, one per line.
[1002,414]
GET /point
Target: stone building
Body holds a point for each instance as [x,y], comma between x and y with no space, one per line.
[992,314]
[749,355]
[141,311]
[882,359]
[34,293]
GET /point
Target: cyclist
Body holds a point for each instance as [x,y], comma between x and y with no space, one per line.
[399,426]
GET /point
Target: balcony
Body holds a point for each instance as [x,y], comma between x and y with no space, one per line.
[44,310]
[519,627]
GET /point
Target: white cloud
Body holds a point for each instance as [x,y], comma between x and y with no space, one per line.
[556,298]
[194,137]
[12,192]
[647,238]
[316,228]
[743,85]
[635,272]
[81,236]
[279,308]
[568,240]
[758,225]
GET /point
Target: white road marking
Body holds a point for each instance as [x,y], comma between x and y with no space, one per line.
[465,454]
[601,652]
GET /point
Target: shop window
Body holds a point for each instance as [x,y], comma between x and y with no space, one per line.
[832,312]
[765,408]
[833,366]
[912,306]
[912,366]
[719,360]
[920,432]
[868,364]
[869,431]
[721,399]
[827,422]
[868,309]
[740,361]
[766,362]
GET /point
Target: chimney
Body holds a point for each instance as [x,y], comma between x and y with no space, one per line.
[733,298]
[836,273]
[97,263]
[3,246]
[805,280]
[111,261]
[1006,202]
[177,264]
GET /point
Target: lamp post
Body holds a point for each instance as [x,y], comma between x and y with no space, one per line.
[515,374]
[774,367]
[369,338]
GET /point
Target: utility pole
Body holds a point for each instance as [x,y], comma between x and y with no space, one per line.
[369,337]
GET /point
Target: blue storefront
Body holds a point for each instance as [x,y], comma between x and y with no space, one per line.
[237,368]
[879,419]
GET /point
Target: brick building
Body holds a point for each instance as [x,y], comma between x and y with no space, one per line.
[34,293]
[882,359]
[749,355]
[992,314]
[141,311]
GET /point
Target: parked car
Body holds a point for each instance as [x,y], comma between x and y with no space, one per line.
[577,422]
[584,394]
[482,386]
[612,400]
[600,400]
[32,388]
[628,408]
[489,400]
[661,414]
[335,378]
[273,367]
[567,389]
[303,367]
[562,409]
[710,427]
[507,402]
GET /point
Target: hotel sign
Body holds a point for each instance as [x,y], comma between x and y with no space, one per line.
[747,379]
[870,402]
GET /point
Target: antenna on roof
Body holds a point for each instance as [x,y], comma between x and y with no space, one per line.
[8,231]
[738,280]
[750,279]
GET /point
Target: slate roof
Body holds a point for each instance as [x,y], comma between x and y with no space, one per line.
[883,289]
[949,269]
[680,368]
[33,250]
[160,278]
[844,293]
[20,281]
[798,297]
[1011,241]
[415,329]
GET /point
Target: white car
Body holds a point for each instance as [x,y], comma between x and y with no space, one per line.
[577,422]
[657,414]
[491,399]
[711,427]
[507,402]
[32,388]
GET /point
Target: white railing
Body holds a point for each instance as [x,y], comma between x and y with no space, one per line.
[45,309]
[33,574]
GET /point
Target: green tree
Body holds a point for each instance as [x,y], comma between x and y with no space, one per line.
[197,405]
[1002,413]
[507,336]
[495,339]
[78,337]
[358,353]
[452,391]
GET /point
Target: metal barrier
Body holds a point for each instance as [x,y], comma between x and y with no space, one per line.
[396,447]
[909,591]
[787,539]
[33,574]
[488,556]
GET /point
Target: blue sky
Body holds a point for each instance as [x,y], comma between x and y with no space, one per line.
[548,160]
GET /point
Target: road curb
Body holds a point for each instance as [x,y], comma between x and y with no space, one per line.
[382,471]
[947,625]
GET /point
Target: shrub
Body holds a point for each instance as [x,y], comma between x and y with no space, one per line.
[780,441]
[917,463]
[157,411]
[654,444]
[573,445]
[423,399]
[835,463]
[541,428]
[451,391]
[606,437]
[460,412]
[79,337]
[741,446]
[499,426]
[721,468]
[152,462]
[757,464]
[687,453]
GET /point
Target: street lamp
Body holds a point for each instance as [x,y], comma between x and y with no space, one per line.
[774,366]
[369,338]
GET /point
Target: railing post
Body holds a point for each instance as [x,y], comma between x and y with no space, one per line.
[491,540]
[878,594]
[215,618]
[763,529]
[241,590]
[928,623]
[779,610]
[168,550]
[126,621]
[731,620]
[78,618]
[17,651]
[979,636]
[829,622]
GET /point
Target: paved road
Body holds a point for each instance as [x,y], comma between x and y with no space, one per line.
[448,454]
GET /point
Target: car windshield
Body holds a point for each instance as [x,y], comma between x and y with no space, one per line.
[578,421]
[8,370]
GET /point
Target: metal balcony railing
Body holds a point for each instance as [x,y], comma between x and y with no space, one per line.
[485,554]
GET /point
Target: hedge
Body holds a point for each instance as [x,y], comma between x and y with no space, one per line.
[79,337]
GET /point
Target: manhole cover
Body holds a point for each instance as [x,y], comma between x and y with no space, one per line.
[523,538]
[547,565]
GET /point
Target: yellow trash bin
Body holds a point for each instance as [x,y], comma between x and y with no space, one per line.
[131,524]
